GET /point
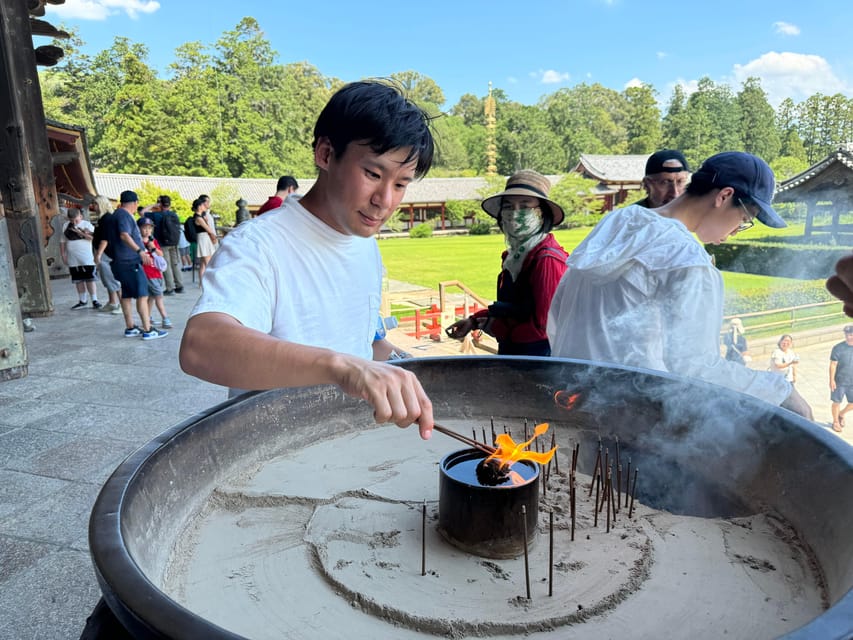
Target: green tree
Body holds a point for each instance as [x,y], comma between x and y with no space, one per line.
[674,121]
[786,124]
[576,195]
[135,130]
[450,152]
[420,89]
[247,86]
[710,122]
[223,199]
[757,121]
[525,141]
[470,109]
[587,119]
[643,119]
[786,167]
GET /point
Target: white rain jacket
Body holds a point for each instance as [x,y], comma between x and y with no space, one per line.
[641,291]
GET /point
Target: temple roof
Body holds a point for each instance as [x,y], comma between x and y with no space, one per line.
[613,168]
[832,174]
[255,191]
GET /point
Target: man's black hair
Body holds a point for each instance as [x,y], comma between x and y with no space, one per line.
[702,183]
[377,114]
[286,182]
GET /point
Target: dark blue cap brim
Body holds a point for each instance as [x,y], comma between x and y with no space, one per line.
[768,215]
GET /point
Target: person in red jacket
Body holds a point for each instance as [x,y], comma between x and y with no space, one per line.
[533,264]
[285,186]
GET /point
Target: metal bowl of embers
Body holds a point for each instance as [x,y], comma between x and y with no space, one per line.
[672,508]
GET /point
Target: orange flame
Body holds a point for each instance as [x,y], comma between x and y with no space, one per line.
[509,452]
[566,399]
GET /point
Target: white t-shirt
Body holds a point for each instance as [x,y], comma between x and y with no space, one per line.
[779,358]
[641,291]
[291,276]
[79,251]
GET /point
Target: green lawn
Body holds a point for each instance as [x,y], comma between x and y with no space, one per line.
[475,260]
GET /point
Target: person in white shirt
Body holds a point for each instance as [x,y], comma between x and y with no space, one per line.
[640,291]
[292,300]
[75,247]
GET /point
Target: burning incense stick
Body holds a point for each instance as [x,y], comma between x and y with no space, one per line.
[633,493]
[572,501]
[628,481]
[595,505]
[608,490]
[618,504]
[526,565]
[556,457]
[423,539]
[470,442]
[595,471]
[551,554]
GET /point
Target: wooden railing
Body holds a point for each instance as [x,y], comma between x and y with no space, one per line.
[442,295]
[792,319]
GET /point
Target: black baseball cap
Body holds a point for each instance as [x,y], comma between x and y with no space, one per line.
[128,196]
[655,162]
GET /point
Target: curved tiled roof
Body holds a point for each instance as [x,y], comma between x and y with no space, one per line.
[611,168]
[256,190]
[843,155]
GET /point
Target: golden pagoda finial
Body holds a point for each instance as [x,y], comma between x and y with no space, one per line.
[490,109]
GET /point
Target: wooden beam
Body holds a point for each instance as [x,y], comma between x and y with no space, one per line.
[27,187]
[44,28]
[64,157]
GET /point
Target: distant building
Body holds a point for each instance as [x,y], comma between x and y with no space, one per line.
[424,200]
[825,188]
[620,178]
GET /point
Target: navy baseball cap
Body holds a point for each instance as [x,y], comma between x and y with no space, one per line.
[747,174]
[128,196]
[655,162]
[144,221]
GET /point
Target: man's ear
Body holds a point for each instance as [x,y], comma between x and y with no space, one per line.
[323,152]
[725,197]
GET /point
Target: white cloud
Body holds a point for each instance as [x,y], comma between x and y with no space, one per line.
[786,28]
[633,82]
[790,75]
[102,9]
[551,77]
[661,55]
[512,80]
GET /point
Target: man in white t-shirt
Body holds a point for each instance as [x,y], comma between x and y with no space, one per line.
[75,247]
[293,300]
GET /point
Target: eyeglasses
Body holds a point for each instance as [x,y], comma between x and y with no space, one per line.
[748,218]
[678,183]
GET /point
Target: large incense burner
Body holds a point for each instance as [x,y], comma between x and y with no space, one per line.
[290,514]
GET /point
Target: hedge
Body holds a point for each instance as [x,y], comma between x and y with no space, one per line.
[762,299]
[779,259]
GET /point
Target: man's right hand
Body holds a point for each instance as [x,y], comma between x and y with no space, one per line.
[395,394]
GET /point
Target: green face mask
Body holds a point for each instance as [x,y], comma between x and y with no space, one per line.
[521,224]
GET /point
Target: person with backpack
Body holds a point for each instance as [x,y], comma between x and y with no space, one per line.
[167,232]
[533,264]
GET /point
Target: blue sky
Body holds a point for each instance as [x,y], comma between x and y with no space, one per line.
[528,49]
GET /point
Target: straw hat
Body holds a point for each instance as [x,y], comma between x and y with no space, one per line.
[525,183]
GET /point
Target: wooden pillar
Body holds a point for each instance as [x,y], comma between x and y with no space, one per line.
[810,211]
[27,187]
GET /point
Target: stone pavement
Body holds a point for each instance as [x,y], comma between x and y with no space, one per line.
[91,398]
